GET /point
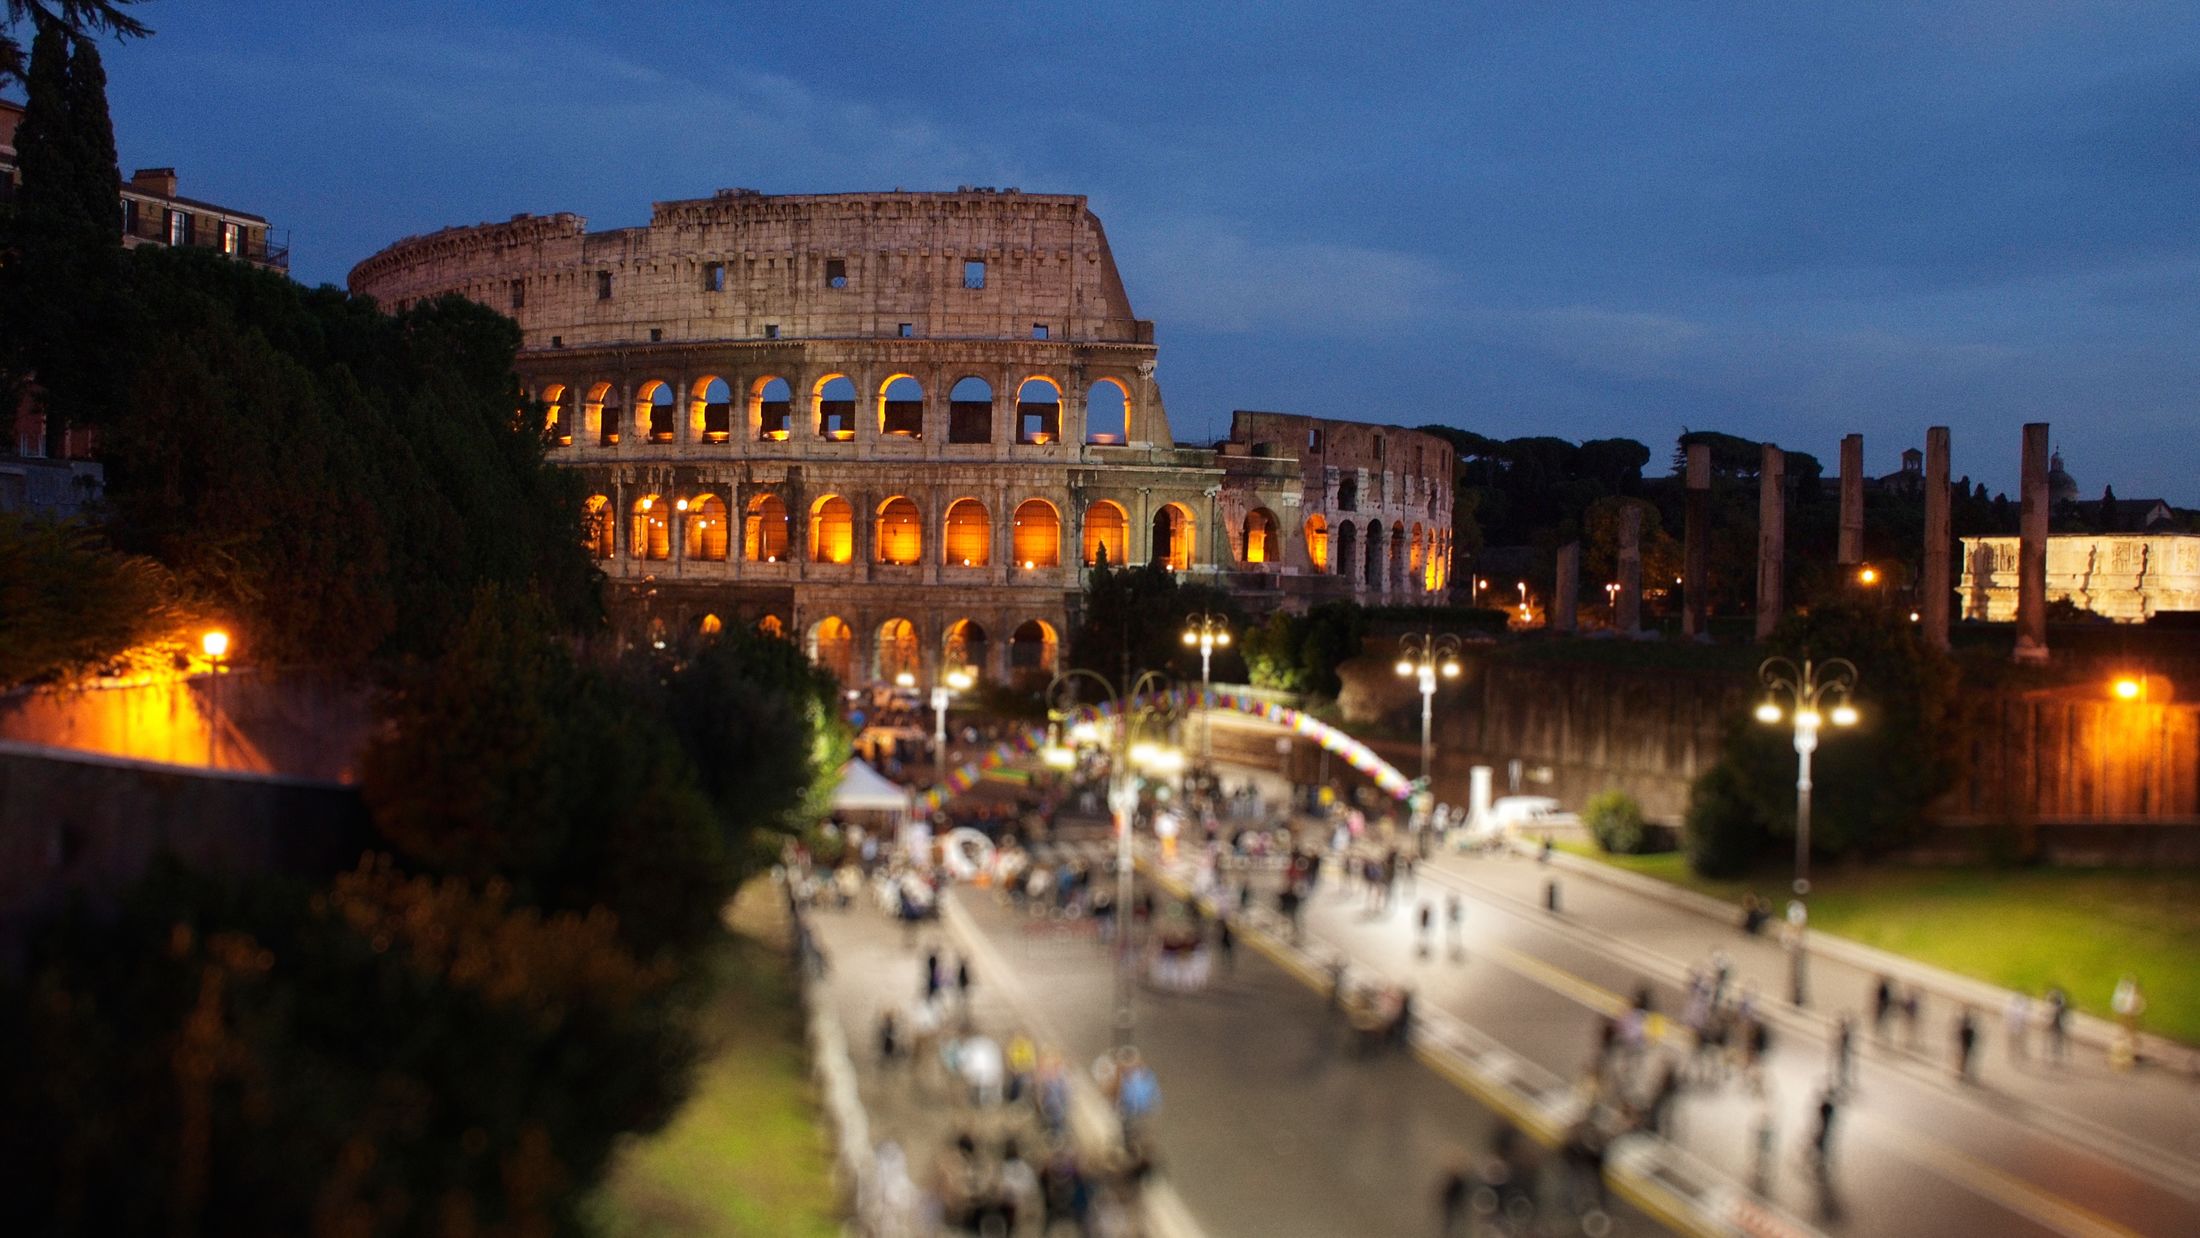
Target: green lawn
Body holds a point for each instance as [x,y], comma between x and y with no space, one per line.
[748,1155]
[2023,928]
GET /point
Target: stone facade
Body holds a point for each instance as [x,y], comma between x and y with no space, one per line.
[900,427]
[2128,577]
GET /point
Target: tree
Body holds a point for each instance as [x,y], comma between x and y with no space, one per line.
[1661,553]
[1133,620]
[1301,653]
[81,18]
[72,606]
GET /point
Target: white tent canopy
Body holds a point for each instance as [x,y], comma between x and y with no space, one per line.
[863,789]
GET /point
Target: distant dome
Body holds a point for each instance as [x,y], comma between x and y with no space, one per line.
[2061,486]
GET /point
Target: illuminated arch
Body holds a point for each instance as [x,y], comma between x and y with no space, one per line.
[771,408]
[764,530]
[1033,646]
[1107,412]
[832,530]
[596,531]
[1035,535]
[963,646]
[1262,544]
[1038,410]
[833,400]
[900,538]
[772,626]
[1173,537]
[707,528]
[652,534]
[710,410]
[832,646]
[969,536]
[901,407]
[970,411]
[897,649]
[602,414]
[654,413]
[1107,528]
[1317,542]
[710,625]
[556,416]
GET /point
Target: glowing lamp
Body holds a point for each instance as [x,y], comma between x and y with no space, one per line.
[1869,576]
[1844,714]
[905,680]
[1223,639]
[1404,667]
[680,505]
[958,680]
[1807,719]
[2128,689]
[1768,712]
[1451,670]
[1058,757]
[1191,638]
[215,644]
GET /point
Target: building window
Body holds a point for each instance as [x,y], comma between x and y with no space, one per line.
[603,285]
[557,341]
[1313,440]
[230,240]
[974,273]
[178,228]
[908,330]
[771,331]
[1038,330]
[656,335]
[129,205]
[714,277]
[836,273]
[519,294]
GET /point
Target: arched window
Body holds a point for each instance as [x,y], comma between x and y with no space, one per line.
[556,417]
[1373,575]
[706,528]
[772,626]
[1107,531]
[709,625]
[835,398]
[1418,550]
[1261,546]
[901,407]
[603,413]
[656,412]
[1317,542]
[1037,535]
[1348,493]
[771,404]
[897,649]
[1172,537]
[1038,411]
[710,411]
[1395,577]
[1348,544]
[964,647]
[832,530]
[764,530]
[969,534]
[833,646]
[900,532]
[652,531]
[1107,413]
[596,530]
[970,411]
[1032,646]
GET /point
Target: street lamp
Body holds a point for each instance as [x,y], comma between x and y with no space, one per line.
[215,645]
[942,693]
[1611,596]
[1808,688]
[1208,632]
[1128,750]
[1425,655]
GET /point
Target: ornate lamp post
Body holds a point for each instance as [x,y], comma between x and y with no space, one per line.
[942,693]
[1807,689]
[1425,656]
[1126,751]
[1208,632]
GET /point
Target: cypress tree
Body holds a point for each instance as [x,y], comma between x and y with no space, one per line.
[95,184]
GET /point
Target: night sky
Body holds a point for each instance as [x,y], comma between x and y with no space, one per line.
[1569,219]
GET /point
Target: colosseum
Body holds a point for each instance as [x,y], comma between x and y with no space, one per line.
[902,427]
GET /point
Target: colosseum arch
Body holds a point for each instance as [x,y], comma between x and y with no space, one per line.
[1261,544]
[1038,410]
[601,414]
[832,646]
[969,534]
[833,400]
[970,411]
[597,532]
[654,415]
[1395,578]
[652,533]
[1032,647]
[1373,576]
[900,538]
[1035,535]
[1348,544]
[1107,528]
[901,407]
[832,530]
[710,410]
[1107,413]
[962,647]
[764,530]
[1172,537]
[772,626]
[555,416]
[709,625]
[771,409]
[706,528]
[1317,542]
[897,653]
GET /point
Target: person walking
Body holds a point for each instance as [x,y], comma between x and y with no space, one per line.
[1844,1051]
[1882,1006]
[1427,928]
[2058,1024]
[932,974]
[1966,1044]
[2016,1024]
[1821,1140]
[1452,1193]
[1455,924]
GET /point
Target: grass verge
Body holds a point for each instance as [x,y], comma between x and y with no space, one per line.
[2025,929]
[746,1156]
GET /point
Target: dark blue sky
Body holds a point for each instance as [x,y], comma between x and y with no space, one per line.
[1782,221]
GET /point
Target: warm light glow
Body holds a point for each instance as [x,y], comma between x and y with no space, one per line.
[681,505]
[1223,639]
[1807,719]
[1844,715]
[1191,638]
[1451,670]
[1404,667]
[1768,712]
[1143,753]
[905,680]
[215,644]
[649,502]
[1028,565]
[1058,757]
[958,680]
[1914,616]
[1166,761]
[1085,733]
[2128,689]
[1869,576]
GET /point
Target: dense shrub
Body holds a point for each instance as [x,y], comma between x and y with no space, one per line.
[1722,832]
[1615,821]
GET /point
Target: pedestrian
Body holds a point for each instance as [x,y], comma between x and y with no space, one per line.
[1882,1005]
[2016,1022]
[1455,927]
[1428,927]
[1844,1051]
[1821,1140]
[932,974]
[889,1036]
[962,981]
[1966,1044]
[1226,945]
[2058,1024]
[1452,1193]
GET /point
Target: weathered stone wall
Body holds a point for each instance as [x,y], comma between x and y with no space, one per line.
[2128,577]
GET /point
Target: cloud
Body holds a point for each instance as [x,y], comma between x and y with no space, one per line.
[1212,274]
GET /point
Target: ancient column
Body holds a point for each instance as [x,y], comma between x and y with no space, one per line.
[1696,565]
[2032,548]
[1629,618]
[1933,608]
[1771,539]
[1568,599]
[1850,550]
